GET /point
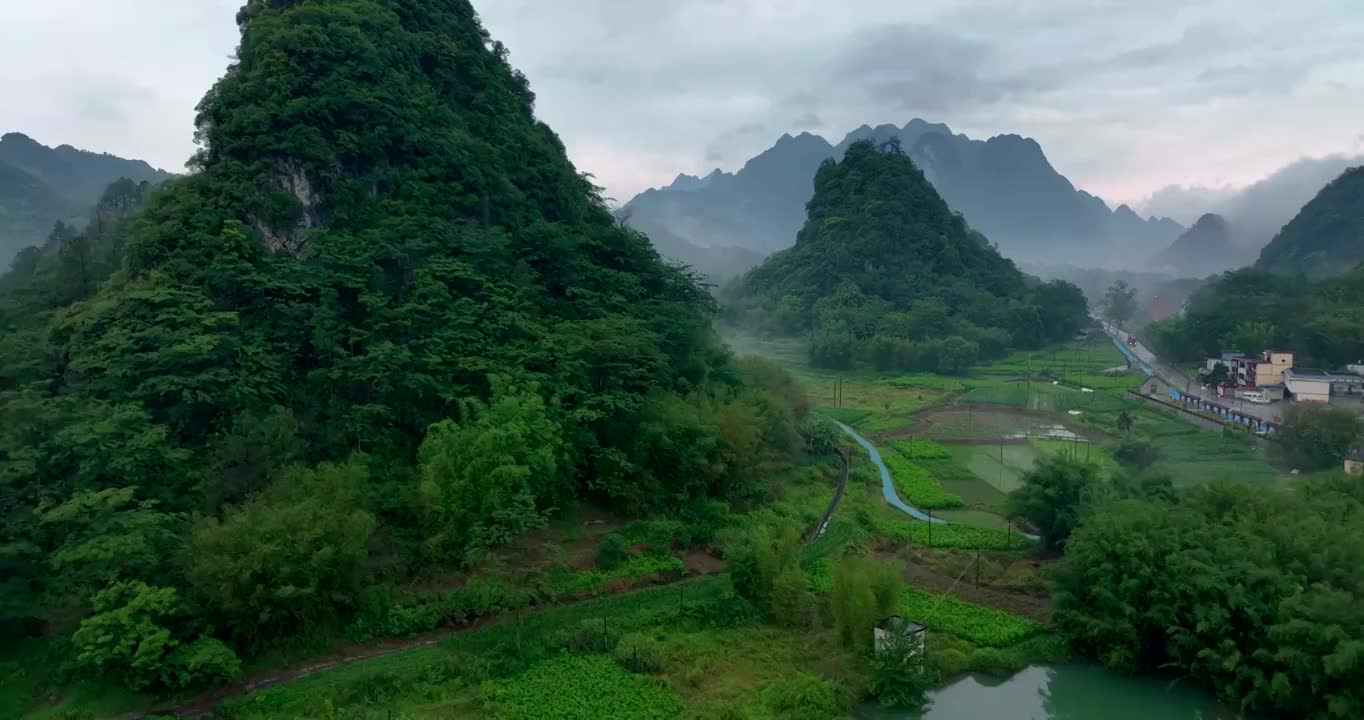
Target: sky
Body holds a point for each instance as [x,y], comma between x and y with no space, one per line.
[1126,98]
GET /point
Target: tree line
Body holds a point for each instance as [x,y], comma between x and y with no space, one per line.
[1250,591]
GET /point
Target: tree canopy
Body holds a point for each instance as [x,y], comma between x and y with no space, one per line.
[1252,310]
[1251,593]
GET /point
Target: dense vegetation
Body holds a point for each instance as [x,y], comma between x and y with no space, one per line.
[884,270]
[1254,310]
[1327,235]
[385,325]
[1253,594]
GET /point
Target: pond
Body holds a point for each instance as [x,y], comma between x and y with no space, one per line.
[1064,692]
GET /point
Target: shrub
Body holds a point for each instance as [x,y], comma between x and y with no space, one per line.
[805,697]
[132,635]
[590,637]
[612,551]
[639,654]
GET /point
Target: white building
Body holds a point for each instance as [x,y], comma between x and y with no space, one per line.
[1308,385]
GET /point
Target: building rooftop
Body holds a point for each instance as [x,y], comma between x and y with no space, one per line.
[1315,374]
[895,622]
[1356,455]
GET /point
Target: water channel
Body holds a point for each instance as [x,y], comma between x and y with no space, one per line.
[1064,692]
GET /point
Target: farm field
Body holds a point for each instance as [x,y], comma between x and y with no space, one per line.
[685,650]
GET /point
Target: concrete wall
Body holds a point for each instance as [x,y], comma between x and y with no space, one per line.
[1202,421]
[1231,419]
[1310,390]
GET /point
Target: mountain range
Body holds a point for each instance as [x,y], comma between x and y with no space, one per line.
[40,186]
[1004,187]
[1255,213]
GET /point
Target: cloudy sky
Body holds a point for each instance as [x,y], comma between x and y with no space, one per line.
[1125,97]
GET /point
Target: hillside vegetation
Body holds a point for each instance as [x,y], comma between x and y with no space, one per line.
[1327,235]
[1322,320]
[884,270]
[384,327]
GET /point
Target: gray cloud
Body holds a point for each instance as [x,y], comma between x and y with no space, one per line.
[916,68]
[1125,97]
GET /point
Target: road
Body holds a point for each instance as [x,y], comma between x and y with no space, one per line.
[1181,382]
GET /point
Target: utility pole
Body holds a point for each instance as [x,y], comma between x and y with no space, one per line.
[930,528]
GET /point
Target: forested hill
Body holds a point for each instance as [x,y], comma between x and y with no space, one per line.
[384,325]
[1327,235]
[883,263]
[1321,319]
[40,186]
[1004,186]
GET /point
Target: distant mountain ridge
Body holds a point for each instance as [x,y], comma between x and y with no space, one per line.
[40,186]
[1004,187]
[1205,249]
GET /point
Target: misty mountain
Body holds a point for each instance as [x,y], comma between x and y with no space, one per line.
[1204,249]
[1257,212]
[1004,187]
[40,186]
[1327,236]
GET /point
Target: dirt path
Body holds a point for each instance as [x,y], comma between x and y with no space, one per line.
[823,522]
[699,563]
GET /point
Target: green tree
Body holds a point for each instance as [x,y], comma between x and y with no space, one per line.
[106,536]
[863,591]
[481,479]
[831,350]
[765,569]
[1218,374]
[1136,454]
[1053,496]
[1251,337]
[133,635]
[1120,303]
[956,355]
[291,556]
[897,674]
[1314,438]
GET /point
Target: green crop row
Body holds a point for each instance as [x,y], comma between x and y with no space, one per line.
[573,688]
[950,535]
[920,449]
[981,625]
[567,582]
[917,486]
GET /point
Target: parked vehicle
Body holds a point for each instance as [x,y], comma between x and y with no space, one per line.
[1256,397]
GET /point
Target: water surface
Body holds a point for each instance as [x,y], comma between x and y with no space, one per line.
[1064,692]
